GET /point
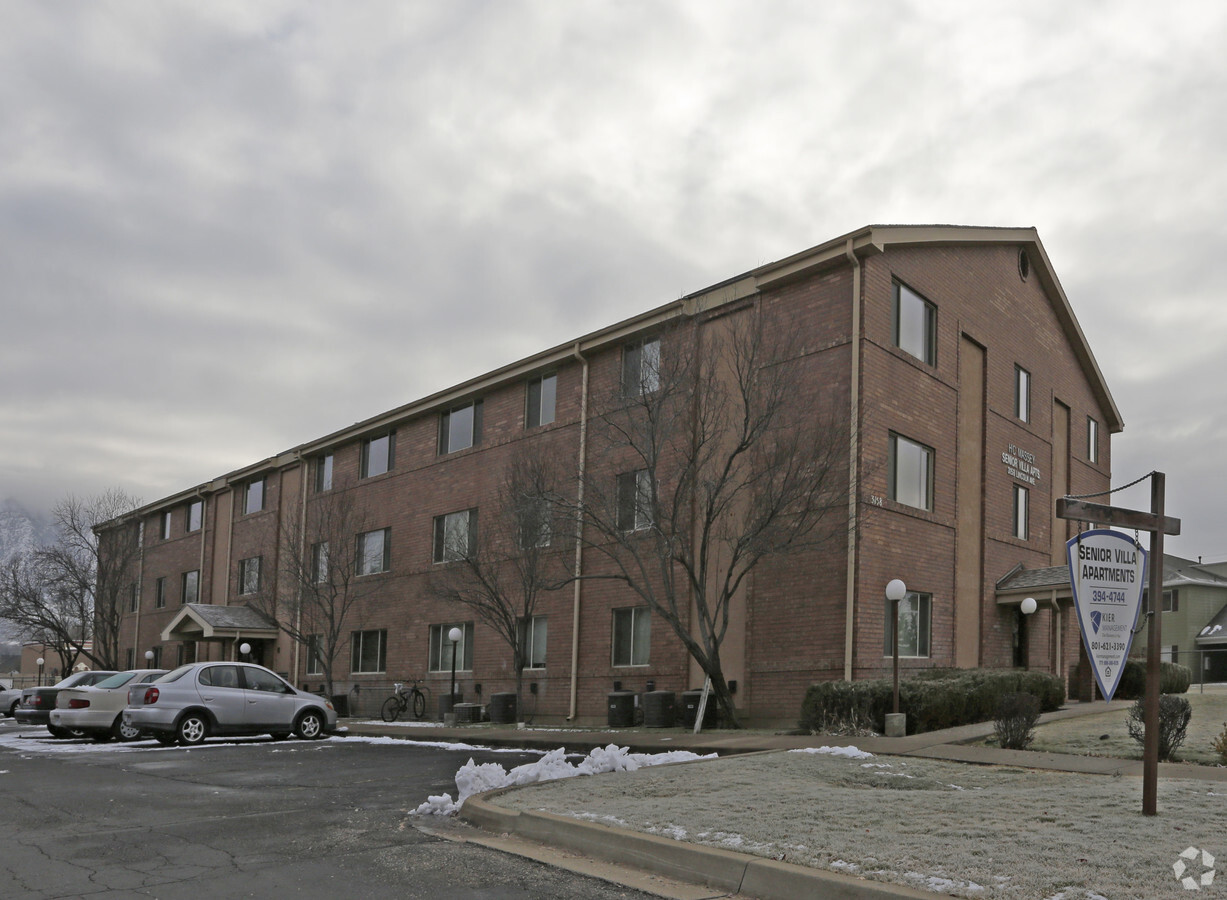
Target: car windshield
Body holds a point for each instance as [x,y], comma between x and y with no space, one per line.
[75,678]
[117,680]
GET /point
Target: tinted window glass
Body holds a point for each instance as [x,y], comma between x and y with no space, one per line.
[116,680]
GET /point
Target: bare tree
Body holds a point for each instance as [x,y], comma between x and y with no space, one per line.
[323,558]
[502,575]
[726,456]
[69,595]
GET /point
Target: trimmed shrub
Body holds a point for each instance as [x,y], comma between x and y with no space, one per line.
[933,701]
[1174,715]
[1220,744]
[1173,679]
[1015,722]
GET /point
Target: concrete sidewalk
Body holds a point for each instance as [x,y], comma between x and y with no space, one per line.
[731,873]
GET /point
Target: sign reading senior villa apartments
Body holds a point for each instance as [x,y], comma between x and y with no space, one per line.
[1107,570]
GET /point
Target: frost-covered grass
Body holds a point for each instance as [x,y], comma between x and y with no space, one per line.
[966,831]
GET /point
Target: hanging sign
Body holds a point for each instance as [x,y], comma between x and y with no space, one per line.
[1107,570]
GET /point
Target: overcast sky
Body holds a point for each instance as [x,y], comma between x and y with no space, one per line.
[230,227]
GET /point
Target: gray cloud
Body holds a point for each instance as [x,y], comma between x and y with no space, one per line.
[229,228]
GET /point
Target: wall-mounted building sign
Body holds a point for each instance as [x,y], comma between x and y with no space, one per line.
[1020,464]
[1107,570]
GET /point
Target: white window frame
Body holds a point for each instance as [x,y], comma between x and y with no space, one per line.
[319,562]
[1022,512]
[460,427]
[634,501]
[194,513]
[641,367]
[375,551]
[159,593]
[1092,440]
[440,656]
[164,525]
[450,530]
[541,401]
[1022,394]
[912,312]
[253,496]
[323,473]
[192,577]
[920,494]
[377,459]
[916,607]
[358,641]
[534,639]
[634,647]
[249,575]
[315,662]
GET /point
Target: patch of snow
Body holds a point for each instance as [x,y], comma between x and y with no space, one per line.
[475,779]
[846,752]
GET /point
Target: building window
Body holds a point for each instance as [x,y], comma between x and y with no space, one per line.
[195,515]
[1022,394]
[164,526]
[374,552]
[1022,511]
[159,594]
[1092,440]
[130,658]
[641,368]
[134,600]
[1171,602]
[323,472]
[156,662]
[915,325]
[455,536]
[441,647]
[1169,653]
[253,500]
[634,501]
[540,401]
[914,623]
[319,562]
[191,586]
[632,636]
[911,473]
[249,575]
[378,455]
[533,634]
[533,523]
[369,651]
[460,427]
[315,656]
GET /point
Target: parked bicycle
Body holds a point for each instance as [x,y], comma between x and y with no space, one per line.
[402,699]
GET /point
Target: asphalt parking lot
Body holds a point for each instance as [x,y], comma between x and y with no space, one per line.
[248,818]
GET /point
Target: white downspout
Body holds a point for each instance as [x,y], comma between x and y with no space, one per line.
[853,460]
[579,536]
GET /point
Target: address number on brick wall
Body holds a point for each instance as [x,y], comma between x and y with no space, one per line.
[875,500]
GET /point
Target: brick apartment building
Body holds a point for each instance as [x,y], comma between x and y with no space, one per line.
[976,403]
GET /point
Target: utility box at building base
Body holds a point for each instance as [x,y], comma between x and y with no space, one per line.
[659,709]
[690,709]
[503,708]
[621,709]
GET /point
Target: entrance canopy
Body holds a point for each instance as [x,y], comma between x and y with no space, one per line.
[206,622]
[1049,583]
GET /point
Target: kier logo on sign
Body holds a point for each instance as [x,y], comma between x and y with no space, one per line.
[1107,570]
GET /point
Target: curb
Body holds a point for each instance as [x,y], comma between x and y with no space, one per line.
[725,870]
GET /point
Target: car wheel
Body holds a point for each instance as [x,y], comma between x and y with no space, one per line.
[13,709]
[166,740]
[192,729]
[122,732]
[310,725]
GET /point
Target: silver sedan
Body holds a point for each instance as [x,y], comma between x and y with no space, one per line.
[225,698]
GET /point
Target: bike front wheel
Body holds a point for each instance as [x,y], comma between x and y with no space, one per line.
[419,704]
[391,709]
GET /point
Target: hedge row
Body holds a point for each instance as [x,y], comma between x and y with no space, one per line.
[932,701]
[1173,679]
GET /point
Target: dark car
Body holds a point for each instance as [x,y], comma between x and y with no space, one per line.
[200,700]
[37,702]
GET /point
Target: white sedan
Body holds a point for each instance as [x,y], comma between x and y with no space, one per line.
[98,710]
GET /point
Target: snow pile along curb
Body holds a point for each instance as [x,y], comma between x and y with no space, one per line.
[475,779]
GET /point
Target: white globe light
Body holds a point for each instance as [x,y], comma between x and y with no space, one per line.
[455,635]
[1028,606]
[148,654]
[40,660]
[896,589]
[244,648]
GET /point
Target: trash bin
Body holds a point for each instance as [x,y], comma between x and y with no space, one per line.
[340,702]
[621,709]
[503,708]
[659,709]
[690,709]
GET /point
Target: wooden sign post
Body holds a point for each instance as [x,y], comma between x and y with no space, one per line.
[1158,524]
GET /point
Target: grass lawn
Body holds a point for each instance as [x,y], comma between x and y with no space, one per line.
[1105,734]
